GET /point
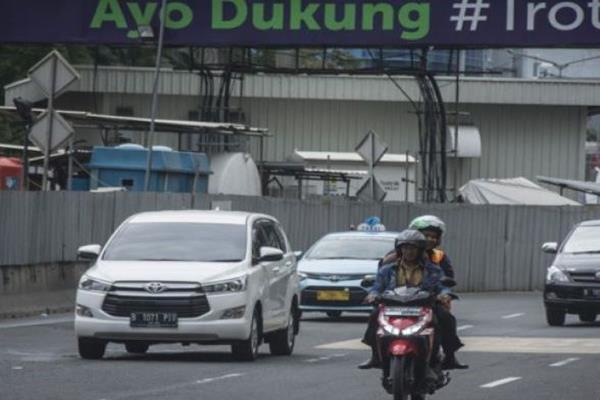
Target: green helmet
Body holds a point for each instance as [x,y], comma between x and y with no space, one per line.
[428,222]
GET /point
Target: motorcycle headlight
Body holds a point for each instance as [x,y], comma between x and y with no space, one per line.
[231,286]
[93,285]
[555,275]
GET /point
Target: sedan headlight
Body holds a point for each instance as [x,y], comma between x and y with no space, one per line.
[231,286]
[555,275]
[93,285]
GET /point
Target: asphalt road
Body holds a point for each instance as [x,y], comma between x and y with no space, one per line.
[512,353]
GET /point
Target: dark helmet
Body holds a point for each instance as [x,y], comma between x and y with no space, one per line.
[412,237]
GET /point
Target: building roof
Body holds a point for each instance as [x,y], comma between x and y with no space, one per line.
[484,90]
[349,157]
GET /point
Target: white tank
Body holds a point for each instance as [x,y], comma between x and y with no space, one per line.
[234,173]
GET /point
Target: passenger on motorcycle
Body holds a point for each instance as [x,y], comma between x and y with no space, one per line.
[414,269]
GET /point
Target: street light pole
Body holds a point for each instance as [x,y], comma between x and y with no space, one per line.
[150,138]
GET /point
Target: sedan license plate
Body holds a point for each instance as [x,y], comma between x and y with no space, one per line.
[333,295]
[153,320]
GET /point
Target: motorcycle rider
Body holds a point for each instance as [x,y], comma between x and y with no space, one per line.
[412,269]
[433,228]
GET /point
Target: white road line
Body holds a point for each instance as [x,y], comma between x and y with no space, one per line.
[464,327]
[500,344]
[35,323]
[17,368]
[219,378]
[325,358]
[164,389]
[565,362]
[500,382]
[513,316]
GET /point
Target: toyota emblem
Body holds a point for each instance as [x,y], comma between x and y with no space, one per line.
[155,287]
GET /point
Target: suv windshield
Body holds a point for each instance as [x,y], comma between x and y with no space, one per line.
[164,241]
[360,248]
[585,239]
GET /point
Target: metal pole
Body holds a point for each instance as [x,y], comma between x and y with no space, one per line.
[457,100]
[25,184]
[50,122]
[372,166]
[406,177]
[70,166]
[150,138]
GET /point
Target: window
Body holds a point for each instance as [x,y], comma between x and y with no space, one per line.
[585,239]
[273,239]
[259,239]
[170,241]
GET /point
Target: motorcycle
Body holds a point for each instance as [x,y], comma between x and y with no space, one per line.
[407,344]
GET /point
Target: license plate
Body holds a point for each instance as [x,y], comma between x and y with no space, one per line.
[403,311]
[153,320]
[333,295]
[592,292]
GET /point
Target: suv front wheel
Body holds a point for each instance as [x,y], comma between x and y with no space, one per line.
[555,317]
[247,350]
[91,349]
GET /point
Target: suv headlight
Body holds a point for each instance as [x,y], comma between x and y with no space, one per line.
[302,276]
[231,286]
[93,285]
[555,274]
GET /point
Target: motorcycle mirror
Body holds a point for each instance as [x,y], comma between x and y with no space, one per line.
[368,281]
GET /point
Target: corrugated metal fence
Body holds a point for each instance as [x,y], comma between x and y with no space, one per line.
[493,247]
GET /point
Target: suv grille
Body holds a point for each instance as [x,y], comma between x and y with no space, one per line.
[187,300]
[584,277]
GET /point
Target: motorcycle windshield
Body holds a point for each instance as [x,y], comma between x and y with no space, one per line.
[408,296]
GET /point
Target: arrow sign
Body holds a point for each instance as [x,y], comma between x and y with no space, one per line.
[365,190]
[41,74]
[371,148]
[61,131]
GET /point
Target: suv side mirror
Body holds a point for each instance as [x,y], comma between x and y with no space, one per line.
[89,252]
[270,254]
[550,247]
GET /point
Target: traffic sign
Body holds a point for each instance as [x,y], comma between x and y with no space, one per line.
[371,186]
[371,148]
[61,131]
[53,67]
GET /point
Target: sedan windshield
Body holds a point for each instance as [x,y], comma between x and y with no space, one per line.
[360,248]
[585,239]
[165,241]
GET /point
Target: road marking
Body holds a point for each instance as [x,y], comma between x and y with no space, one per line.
[324,358]
[17,368]
[169,388]
[500,382]
[218,378]
[492,344]
[513,315]
[464,327]
[35,323]
[565,362]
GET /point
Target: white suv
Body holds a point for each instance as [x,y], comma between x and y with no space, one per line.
[205,277]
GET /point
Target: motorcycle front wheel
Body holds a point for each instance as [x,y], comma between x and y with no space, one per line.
[402,374]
